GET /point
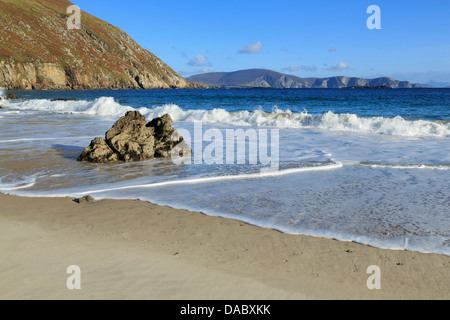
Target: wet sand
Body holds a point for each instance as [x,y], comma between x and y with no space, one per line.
[136,250]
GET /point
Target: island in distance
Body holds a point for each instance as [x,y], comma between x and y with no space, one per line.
[262,78]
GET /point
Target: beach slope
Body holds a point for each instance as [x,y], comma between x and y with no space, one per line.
[129,249]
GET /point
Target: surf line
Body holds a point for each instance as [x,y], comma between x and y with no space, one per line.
[26,139]
[399,166]
[9,187]
[335,165]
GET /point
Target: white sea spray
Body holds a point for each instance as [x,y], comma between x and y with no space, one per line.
[281,119]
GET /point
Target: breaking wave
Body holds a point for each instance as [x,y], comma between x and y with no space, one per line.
[283,119]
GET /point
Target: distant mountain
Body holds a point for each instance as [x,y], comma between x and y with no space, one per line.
[38,51]
[438,84]
[262,78]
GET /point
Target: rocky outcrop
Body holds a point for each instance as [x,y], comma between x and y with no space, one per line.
[99,152]
[64,99]
[131,138]
[11,96]
[167,138]
[85,199]
[38,51]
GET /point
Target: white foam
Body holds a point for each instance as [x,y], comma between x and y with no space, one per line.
[412,166]
[26,183]
[328,121]
[101,106]
[282,119]
[45,139]
[27,140]
[264,174]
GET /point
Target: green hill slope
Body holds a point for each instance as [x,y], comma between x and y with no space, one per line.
[37,51]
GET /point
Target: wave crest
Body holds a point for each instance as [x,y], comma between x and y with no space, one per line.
[328,121]
[283,119]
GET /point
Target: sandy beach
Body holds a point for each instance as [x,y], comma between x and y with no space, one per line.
[271,151]
[136,250]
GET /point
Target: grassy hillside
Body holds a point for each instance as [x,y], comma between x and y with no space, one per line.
[38,51]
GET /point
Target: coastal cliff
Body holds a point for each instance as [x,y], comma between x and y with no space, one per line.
[38,51]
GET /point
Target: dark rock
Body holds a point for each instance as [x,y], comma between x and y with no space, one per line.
[62,99]
[161,125]
[131,139]
[98,152]
[166,137]
[12,96]
[85,199]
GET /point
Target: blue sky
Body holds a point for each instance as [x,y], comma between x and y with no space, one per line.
[305,38]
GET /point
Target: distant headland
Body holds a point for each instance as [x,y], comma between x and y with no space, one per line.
[263,78]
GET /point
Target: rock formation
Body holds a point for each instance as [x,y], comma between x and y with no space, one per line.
[85,199]
[63,99]
[11,96]
[131,138]
[38,51]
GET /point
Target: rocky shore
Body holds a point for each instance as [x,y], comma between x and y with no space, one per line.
[133,139]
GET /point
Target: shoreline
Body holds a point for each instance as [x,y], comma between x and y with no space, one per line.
[130,249]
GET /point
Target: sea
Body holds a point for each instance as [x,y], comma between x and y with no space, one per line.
[370,166]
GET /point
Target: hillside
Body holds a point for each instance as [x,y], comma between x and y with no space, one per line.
[262,78]
[37,51]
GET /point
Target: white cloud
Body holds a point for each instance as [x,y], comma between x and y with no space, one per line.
[199,61]
[189,72]
[253,48]
[310,68]
[339,67]
[291,68]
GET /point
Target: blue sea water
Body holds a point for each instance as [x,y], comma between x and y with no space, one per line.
[364,165]
[427,104]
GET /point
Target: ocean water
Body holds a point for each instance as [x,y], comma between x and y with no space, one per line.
[370,166]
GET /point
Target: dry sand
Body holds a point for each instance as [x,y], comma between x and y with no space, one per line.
[135,250]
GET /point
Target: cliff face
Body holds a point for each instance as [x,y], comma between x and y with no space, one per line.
[38,51]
